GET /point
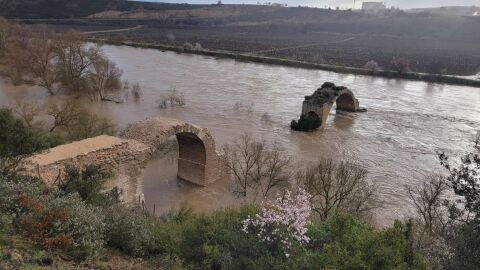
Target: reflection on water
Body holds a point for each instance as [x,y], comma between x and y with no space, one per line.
[395,140]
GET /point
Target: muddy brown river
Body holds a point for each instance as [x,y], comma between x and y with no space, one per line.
[395,140]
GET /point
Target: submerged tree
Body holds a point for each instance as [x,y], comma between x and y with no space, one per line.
[429,201]
[65,114]
[255,167]
[27,110]
[43,60]
[75,59]
[103,78]
[171,98]
[339,187]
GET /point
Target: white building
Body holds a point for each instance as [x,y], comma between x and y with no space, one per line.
[373,7]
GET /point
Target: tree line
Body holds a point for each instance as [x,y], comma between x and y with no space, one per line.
[60,63]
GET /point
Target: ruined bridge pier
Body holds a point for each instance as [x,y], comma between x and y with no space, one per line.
[316,107]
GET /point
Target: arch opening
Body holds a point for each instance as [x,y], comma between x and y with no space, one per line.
[192,158]
[346,102]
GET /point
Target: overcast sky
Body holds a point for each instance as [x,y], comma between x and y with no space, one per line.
[342,3]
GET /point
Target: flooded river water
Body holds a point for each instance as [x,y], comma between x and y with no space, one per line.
[395,140]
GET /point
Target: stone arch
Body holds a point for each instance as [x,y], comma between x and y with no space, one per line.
[321,103]
[346,101]
[198,160]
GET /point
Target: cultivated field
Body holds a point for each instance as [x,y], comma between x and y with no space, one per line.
[429,43]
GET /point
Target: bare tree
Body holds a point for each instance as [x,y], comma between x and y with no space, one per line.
[89,125]
[43,61]
[16,61]
[171,98]
[428,199]
[64,115]
[28,111]
[73,122]
[136,92]
[74,61]
[103,79]
[275,169]
[339,187]
[256,168]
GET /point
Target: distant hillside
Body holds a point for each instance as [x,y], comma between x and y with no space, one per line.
[452,11]
[60,9]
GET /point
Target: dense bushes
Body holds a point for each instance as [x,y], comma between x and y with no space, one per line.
[88,183]
[131,231]
[50,218]
[17,139]
[217,242]
[341,242]
[63,221]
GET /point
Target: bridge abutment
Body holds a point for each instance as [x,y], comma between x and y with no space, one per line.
[128,155]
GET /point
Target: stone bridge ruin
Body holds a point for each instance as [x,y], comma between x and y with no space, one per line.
[317,107]
[126,156]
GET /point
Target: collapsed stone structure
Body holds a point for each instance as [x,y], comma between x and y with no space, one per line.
[126,156]
[317,107]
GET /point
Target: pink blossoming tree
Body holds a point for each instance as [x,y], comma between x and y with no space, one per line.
[283,221]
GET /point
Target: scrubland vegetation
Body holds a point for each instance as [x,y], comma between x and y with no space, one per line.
[318,218]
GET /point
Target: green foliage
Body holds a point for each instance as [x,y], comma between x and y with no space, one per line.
[306,123]
[465,246]
[17,139]
[84,225]
[49,218]
[61,220]
[88,183]
[343,243]
[464,240]
[217,242]
[131,231]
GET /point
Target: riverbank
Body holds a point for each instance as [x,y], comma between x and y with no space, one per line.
[431,78]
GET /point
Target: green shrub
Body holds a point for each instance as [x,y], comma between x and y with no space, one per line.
[84,224]
[17,139]
[343,243]
[51,219]
[131,231]
[217,241]
[88,183]
[465,246]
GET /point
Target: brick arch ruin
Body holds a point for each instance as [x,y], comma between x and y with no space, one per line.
[127,155]
[317,107]
[198,161]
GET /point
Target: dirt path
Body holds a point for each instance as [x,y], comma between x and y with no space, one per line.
[303,46]
[114,31]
